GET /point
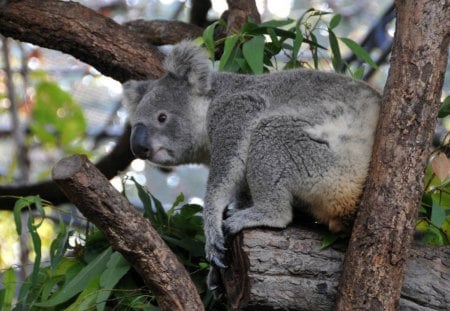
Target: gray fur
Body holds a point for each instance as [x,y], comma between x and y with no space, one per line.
[299,137]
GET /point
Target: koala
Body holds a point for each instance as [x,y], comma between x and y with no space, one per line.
[275,142]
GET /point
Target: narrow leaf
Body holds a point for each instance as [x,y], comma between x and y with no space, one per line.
[208,38]
[437,214]
[87,298]
[117,267]
[276,23]
[59,245]
[444,110]
[80,281]
[297,43]
[9,286]
[314,51]
[359,51]
[253,51]
[336,53]
[328,240]
[335,20]
[358,73]
[230,42]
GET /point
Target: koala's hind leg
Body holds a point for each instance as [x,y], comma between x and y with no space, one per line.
[283,162]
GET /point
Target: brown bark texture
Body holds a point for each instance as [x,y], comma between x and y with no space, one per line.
[382,234]
[128,232]
[158,32]
[89,36]
[237,14]
[287,270]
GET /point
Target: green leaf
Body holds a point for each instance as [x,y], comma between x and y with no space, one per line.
[328,239]
[437,214]
[116,268]
[9,286]
[359,51]
[20,204]
[161,215]
[336,58]
[297,43]
[444,110]
[59,245]
[178,200]
[276,23]
[314,51]
[229,45]
[253,51]
[36,240]
[358,73]
[208,38]
[80,281]
[57,119]
[145,198]
[335,20]
[88,297]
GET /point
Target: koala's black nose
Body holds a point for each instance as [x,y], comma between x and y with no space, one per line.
[139,141]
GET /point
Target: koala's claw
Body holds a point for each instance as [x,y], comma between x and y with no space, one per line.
[219,262]
[220,247]
[214,282]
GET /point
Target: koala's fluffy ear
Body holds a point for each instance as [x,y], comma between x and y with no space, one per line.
[189,61]
[133,91]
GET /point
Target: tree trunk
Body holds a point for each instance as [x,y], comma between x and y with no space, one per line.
[128,232]
[287,270]
[382,234]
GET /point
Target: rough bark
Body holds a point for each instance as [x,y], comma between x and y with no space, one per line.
[159,32]
[110,165]
[74,29]
[285,269]
[237,14]
[127,232]
[382,234]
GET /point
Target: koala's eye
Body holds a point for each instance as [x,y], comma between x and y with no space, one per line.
[162,118]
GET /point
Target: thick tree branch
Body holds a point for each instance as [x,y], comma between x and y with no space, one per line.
[128,232]
[159,32]
[74,29]
[382,234]
[287,270]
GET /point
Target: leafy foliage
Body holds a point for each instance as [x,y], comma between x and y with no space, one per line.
[57,120]
[257,47]
[434,213]
[90,275]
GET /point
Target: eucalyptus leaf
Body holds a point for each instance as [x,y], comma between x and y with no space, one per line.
[9,288]
[335,20]
[437,214]
[359,51]
[229,45]
[80,281]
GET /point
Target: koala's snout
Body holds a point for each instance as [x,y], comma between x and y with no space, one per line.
[139,141]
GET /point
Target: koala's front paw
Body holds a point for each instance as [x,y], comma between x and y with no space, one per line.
[233,224]
[215,249]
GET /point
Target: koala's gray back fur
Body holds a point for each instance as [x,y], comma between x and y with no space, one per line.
[287,137]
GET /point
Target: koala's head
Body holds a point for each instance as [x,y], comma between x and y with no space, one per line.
[168,115]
